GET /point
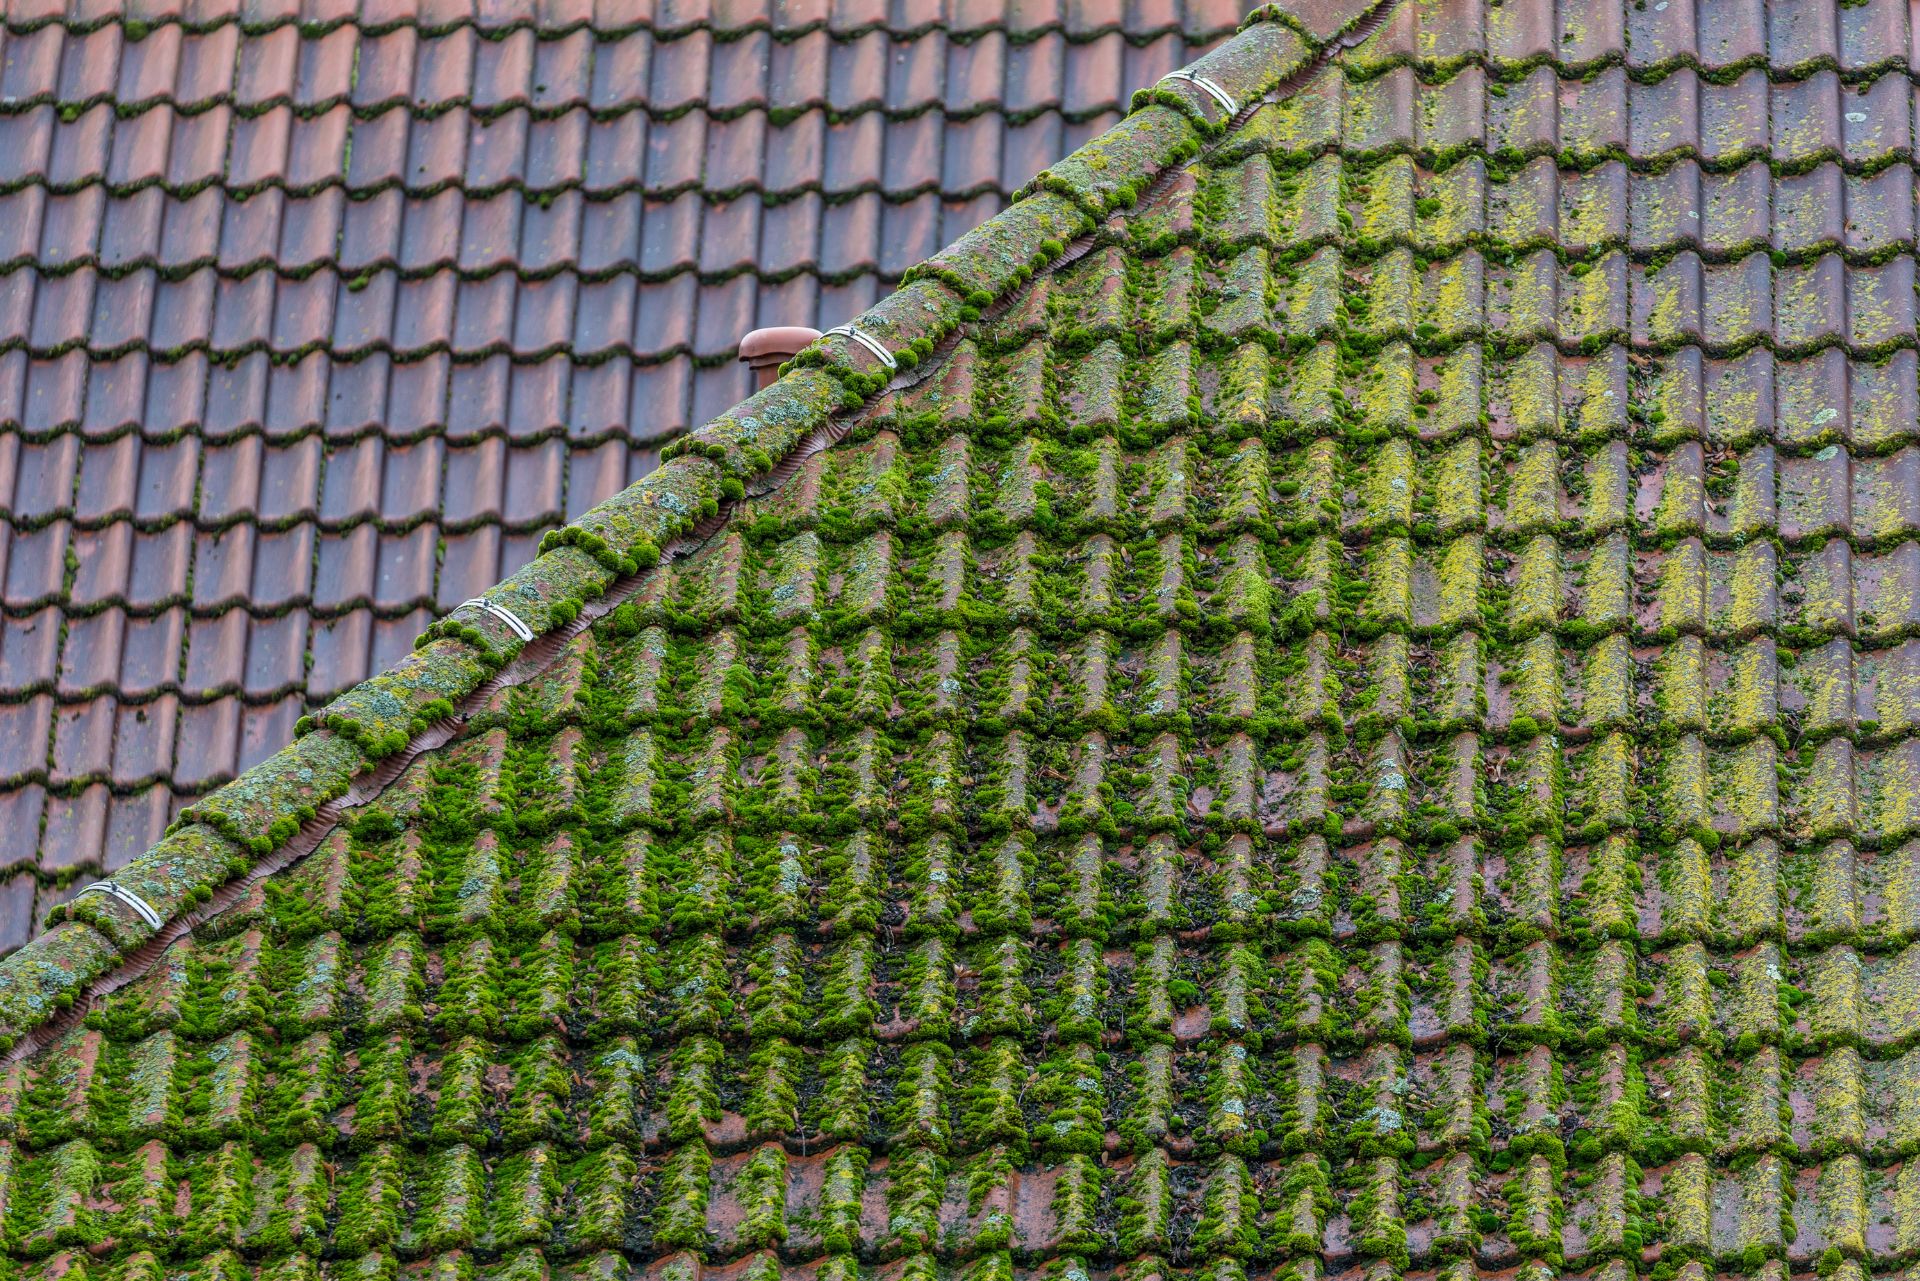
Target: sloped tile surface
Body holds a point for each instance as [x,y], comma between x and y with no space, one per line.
[1363,727]
[261,267]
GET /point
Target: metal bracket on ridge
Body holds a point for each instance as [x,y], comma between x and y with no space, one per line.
[871,343]
[502,613]
[140,906]
[1219,95]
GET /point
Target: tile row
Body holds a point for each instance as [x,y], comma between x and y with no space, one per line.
[776,153]
[198,75]
[69,321]
[1722,215]
[784,148]
[1026,19]
[1716,35]
[402,400]
[634,299]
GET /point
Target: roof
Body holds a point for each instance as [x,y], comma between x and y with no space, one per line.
[313,319]
[1341,702]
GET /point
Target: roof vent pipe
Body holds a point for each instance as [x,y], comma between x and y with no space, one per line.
[765,350]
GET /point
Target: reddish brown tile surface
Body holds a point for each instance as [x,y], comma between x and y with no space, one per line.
[312,319]
[1362,723]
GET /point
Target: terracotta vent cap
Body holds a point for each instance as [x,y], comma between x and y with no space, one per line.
[764,350]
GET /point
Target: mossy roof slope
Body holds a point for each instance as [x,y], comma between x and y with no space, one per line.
[1349,709]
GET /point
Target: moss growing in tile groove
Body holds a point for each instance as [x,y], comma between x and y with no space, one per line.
[867,695]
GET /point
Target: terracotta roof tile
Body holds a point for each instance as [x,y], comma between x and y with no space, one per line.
[207,738]
[160,565]
[216,654]
[29,650]
[430,234]
[134,822]
[339,652]
[16,905]
[1491,691]
[150,654]
[82,747]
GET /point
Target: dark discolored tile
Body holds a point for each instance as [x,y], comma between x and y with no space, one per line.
[207,743]
[535,478]
[594,474]
[82,747]
[25,728]
[134,822]
[150,656]
[91,655]
[265,730]
[17,892]
[30,650]
[76,830]
[340,653]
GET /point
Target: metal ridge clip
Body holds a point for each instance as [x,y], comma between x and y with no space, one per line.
[871,343]
[502,613]
[140,906]
[1219,95]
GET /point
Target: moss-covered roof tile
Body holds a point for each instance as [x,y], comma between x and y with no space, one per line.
[1349,707]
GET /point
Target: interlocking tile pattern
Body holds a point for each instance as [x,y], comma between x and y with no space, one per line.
[312,321]
[1364,727]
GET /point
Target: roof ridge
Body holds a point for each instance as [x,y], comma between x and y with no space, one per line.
[346,754]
